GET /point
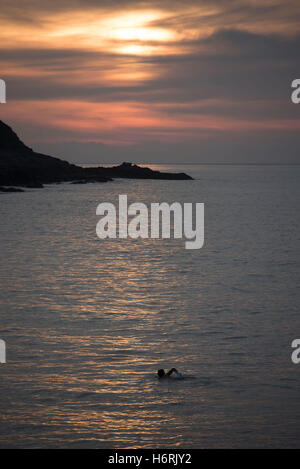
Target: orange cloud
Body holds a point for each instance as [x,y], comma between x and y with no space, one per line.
[128,123]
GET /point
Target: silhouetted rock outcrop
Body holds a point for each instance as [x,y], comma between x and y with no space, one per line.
[10,189]
[132,171]
[21,166]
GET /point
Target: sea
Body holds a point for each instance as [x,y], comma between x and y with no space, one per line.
[87,322]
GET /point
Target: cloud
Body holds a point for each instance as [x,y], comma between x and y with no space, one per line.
[228,65]
[94,71]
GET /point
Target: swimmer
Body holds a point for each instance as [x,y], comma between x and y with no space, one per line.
[162,374]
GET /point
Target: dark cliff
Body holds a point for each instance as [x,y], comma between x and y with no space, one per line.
[21,166]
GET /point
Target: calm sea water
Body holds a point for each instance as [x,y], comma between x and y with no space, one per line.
[87,322]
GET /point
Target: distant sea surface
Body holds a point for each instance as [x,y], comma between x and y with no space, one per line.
[88,322]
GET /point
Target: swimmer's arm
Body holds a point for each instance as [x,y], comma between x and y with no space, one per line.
[173,370]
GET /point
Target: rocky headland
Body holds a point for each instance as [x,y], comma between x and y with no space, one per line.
[20,166]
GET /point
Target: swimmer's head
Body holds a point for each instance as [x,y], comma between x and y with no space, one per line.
[161,373]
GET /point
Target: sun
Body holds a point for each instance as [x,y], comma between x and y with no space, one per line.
[131,33]
[137,33]
[138,27]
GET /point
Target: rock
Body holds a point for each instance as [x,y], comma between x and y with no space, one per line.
[89,181]
[34,185]
[132,171]
[21,166]
[10,189]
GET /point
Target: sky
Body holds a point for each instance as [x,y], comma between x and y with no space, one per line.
[153,82]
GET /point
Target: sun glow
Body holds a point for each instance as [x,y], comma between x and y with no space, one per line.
[131,33]
[138,27]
